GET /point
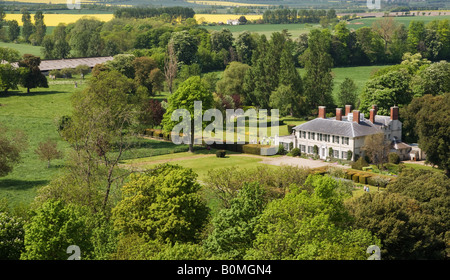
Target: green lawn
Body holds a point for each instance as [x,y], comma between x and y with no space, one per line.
[23,48]
[200,162]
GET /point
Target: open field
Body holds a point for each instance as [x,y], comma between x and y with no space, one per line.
[367,22]
[23,48]
[225,3]
[55,19]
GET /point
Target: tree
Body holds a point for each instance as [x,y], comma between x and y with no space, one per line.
[104,117]
[434,80]
[40,27]
[377,148]
[432,127]
[386,90]
[11,145]
[84,37]
[191,90]
[309,226]
[234,227]
[9,77]
[27,26]
[347,94]
[318,81]
[170,67]
[147,74]
[245,44]
[184,46]
[61,47]
[53,228]
[386,28]
[416,36]
[152,113]
[288,97]
[163,204]
[13,30]
[47,151]
[232,79]
[31,76]
[406,227]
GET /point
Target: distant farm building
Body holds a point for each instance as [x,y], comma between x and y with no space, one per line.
[58,64]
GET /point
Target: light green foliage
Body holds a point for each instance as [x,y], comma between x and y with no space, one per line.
[386,91]
[310,226]
[232,79]
[11,236]
[53,228]
[191,90]
[234,227]
[163,204]
[434,79]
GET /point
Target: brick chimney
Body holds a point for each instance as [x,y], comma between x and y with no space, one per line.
[373,113]
[322,112]
[375,107]
[356,115]
[348,109]
[339,114]
[394,113]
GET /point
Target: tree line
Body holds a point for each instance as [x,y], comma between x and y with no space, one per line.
[297,16]
[145,12]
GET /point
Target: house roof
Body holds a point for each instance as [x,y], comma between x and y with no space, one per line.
[345,127]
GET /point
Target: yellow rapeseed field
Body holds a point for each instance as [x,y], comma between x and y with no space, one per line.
[226,3]
[222,17]
[55,19]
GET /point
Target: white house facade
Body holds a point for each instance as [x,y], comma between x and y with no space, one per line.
[343,133]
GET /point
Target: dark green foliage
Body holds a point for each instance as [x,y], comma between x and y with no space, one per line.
[296,152]
[394,158]
[360,163]
[221,153]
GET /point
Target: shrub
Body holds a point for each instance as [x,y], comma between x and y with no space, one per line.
[394,158]
[56,73]
[360,163]
[253,149]
[221,153]
[67,72]
[296,152]
[349,155]
[281,150]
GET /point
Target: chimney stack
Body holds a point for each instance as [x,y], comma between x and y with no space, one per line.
[348,109]
[339,114]
[373,113]
[322,112]
[375,107]
[356,116]
[394,113]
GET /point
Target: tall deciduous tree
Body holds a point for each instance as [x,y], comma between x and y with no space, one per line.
[40,27]
[13,30]
[170,67]
[191,90]
[103,118]
[27,25]
[147,74]
[318,81]
[377,148]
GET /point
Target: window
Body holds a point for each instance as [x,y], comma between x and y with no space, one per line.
[304,135]
[320,136]
[302,147]
[313,136]
[344,155]
[336,153]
